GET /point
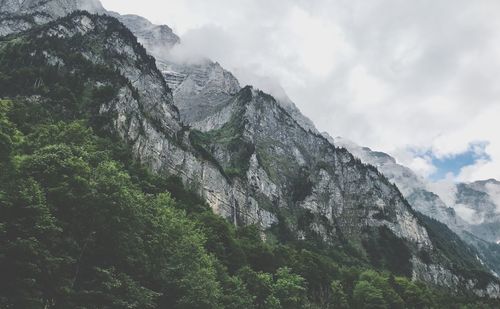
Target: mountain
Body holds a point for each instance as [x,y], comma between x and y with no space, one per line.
[200,88]
[480,201]
[203,81]
[20,15]
[242,152]
[152,37]
[473,213]
[413,187]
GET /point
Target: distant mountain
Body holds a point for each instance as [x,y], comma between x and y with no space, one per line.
[474,213]
[480,202]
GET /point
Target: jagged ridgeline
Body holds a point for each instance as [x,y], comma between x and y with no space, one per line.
[83,225]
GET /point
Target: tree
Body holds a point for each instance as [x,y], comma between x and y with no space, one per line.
[338,298]
[178,262]
[366,296]
[236,294]
[289,289]
[260,285]
[109,288]
[381,282]
[32,271]
[413,295]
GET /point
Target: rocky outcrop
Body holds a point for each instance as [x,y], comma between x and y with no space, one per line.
[482,225]
[155,38]
[145,116]
[413,187]
[477,203]
[305,171]
[199,89]
[440,276]
[19,15]
[481,201]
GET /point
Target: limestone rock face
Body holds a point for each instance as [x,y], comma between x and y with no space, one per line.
[19,15]
[199,89]
[306,171]
[413,187]
[155,38]
[473,212]
[481,201]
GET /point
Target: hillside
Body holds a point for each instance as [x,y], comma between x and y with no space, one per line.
[93,141]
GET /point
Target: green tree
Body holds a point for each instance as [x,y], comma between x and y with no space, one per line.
[236,294]
[32,273]
[109,288]
[366,296]
[381,282]
[260,285]
[338,298]
[413,295]
[289,289]
[184,272]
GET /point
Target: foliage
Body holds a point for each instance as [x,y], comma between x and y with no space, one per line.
[387,251]
[230,138]
[459,256]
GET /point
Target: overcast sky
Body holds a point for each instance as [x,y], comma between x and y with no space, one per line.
[417,79]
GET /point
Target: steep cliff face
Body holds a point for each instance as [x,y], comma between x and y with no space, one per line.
[155,38]
[143,112]
[19,15]
[251,160]
[480,201]
[471,207]
[413,187]
[477,220]
[320,190]
[199,89]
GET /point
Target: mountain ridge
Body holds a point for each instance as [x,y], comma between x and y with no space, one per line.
[146,117]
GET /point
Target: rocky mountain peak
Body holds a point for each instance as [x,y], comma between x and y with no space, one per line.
[200,88]
[157,39]
[51,8]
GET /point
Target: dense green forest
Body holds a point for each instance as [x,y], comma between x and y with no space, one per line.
[83,225]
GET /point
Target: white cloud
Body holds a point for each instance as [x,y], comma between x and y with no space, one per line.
[446,189]
[494,193]
[387,74]
[468,214]
[422,166]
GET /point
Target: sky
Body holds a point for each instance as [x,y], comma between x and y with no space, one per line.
[416,79]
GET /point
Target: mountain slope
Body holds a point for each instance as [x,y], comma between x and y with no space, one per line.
[283,177]
[413,187]
[322,191]
[478,199]
[198,87]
